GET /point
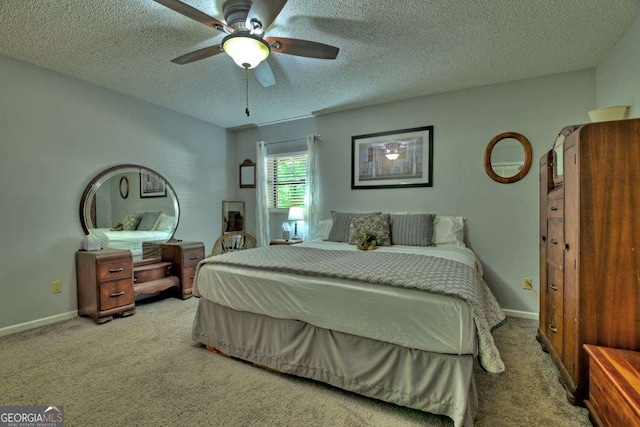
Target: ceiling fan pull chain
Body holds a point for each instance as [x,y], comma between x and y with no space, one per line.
[246,110]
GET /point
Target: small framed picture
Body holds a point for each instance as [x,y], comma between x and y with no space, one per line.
[152,185]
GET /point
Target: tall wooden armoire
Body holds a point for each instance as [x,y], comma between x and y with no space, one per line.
[589,246]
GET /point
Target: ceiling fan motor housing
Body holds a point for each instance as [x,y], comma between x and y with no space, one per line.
[235,13]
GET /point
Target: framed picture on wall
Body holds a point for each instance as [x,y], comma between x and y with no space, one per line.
[152,185]
[393,159]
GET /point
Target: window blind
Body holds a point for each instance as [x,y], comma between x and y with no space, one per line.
[286,177]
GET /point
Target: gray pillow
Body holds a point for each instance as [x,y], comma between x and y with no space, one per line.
[340,225]
[148,220]
[412,229]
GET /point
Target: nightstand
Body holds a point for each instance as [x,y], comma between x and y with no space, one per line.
[285,242]
[105,284]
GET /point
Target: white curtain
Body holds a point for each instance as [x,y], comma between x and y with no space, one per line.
[311,195]
[262,199]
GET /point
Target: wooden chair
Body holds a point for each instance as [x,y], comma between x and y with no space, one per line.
[233,241]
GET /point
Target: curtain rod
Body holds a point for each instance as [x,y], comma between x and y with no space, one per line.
[316,137]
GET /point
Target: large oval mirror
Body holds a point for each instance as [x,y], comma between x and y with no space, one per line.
[127,205]
[507,158]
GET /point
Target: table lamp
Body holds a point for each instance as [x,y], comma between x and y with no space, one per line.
[296,214]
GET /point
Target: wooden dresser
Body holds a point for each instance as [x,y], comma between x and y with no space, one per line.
[614,387]
[105,284]
[183,256]
[590,247]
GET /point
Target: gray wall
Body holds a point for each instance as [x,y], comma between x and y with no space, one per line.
[502,219]
[618,75]
[56,134]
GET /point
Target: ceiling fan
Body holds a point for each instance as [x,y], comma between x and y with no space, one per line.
[246,22]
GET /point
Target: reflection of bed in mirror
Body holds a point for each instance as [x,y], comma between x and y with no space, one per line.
[124,220]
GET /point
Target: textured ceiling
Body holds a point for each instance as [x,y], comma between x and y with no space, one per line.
[389,49]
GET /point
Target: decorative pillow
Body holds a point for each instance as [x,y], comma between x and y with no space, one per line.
[378,225]
[448,230]
[118,226]
[340,225]
[412,229]
[324,227]
[131,221]
[164,223]
[148,220]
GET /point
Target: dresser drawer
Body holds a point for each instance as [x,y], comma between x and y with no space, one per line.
[116,294]
[114,269]
[555,208]
[555,287]
[191,257]
[188,274]
[554,328]
[555,242]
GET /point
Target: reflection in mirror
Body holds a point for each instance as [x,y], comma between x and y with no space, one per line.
[247,174]
[124,223]
[507,158]
[232,216]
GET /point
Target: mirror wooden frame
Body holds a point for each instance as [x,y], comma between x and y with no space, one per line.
[527,158]
[249,168]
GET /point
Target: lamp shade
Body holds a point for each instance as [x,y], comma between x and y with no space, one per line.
[246,50]
[296,214]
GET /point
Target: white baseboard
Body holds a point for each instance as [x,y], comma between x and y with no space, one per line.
[522,314]
[8,330]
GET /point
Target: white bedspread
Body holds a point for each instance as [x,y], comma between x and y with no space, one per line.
[128,240]
[407,317]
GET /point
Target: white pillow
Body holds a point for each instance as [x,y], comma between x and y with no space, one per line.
[448,230]
[164,223]
[324,227]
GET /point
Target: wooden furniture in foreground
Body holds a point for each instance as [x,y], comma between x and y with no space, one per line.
[285,242]
[589,253]
[105,284]
[183,257]
[614,387]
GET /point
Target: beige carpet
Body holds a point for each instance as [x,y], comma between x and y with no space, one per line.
[144,370]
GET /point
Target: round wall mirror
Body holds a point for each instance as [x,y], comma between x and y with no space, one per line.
[507,158]
[126,205]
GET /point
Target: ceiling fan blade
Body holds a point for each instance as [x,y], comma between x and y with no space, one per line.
[198,54]
[195,14]
[302,48]
[264,74]
[263,12]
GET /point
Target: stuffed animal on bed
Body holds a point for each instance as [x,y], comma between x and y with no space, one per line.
[368,243]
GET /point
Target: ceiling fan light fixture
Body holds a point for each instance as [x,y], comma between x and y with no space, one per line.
[392,156]
[246,50]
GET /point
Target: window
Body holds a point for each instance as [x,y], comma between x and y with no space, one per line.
[286,178]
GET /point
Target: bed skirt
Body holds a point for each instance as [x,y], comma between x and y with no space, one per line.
[431,382]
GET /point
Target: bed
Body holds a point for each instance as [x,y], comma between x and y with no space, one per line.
[389,341]
[129,240]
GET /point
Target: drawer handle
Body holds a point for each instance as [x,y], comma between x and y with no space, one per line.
[554,208]
[553,241]
[117,294]
[553,286]
[191,258]
[191,277]
[116,270]
[553,328]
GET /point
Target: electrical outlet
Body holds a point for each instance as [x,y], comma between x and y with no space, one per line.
[56,286]
[527,283]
